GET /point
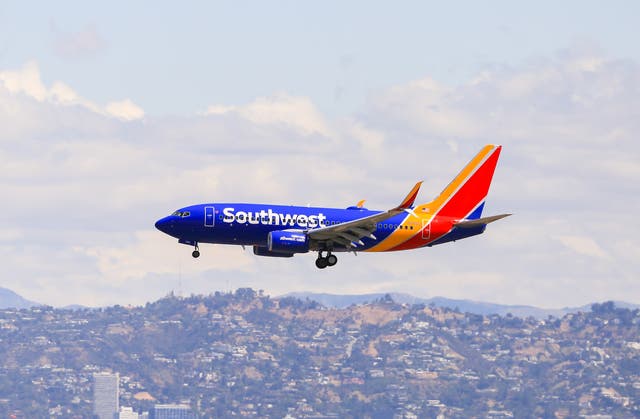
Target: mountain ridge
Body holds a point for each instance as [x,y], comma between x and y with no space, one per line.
[10,299]
[470,306]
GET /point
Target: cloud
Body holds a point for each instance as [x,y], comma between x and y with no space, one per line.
[583,245]
[124,109]
[131,262]
[27,81]
[280,109]
[85,183]
[77,45]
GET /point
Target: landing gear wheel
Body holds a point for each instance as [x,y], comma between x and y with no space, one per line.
[321,262]
[331,260]
[195,253]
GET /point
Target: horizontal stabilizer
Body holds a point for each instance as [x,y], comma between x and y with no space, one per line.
[480,221]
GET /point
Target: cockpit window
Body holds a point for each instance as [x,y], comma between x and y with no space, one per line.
[181,214]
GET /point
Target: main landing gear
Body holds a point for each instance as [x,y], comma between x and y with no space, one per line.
[196,252]
[324,261]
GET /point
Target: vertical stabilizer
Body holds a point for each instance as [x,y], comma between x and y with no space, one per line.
[464,197]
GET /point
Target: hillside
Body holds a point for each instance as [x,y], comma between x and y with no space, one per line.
[248,355]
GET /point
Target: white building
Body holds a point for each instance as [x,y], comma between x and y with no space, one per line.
[106,393]
[172,411]
[127,413]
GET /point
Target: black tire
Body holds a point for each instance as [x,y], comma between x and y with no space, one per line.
[195,254]
[332,260]
[321,263]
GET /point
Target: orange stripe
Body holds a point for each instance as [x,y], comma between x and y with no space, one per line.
[428,210]
[400,235]
[472,192]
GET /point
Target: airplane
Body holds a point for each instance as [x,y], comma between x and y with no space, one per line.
[283,231]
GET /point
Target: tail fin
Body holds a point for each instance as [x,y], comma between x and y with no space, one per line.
[464,197]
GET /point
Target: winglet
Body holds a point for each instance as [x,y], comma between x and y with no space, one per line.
[410,198]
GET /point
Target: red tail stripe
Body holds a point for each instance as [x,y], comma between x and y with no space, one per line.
[473,191]
[463,201]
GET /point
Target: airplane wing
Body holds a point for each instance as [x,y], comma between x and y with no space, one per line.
[350,233]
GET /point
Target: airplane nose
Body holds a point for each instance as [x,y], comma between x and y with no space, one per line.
[165,225]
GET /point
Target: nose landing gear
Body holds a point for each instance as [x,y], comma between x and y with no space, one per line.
[196,252]
[324,261]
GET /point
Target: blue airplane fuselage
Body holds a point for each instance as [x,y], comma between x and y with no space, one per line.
[249,224]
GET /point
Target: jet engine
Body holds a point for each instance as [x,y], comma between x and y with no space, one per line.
[263,251]
[288,241]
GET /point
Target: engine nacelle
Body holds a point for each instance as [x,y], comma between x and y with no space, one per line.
[263,251]
[288,241]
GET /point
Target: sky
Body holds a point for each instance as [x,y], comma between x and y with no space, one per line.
[114,115]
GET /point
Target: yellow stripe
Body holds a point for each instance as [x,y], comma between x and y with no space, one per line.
[429,209]
[471,167]
[401,235]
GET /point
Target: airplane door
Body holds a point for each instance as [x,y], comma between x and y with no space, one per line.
[426,229]
[209,218]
